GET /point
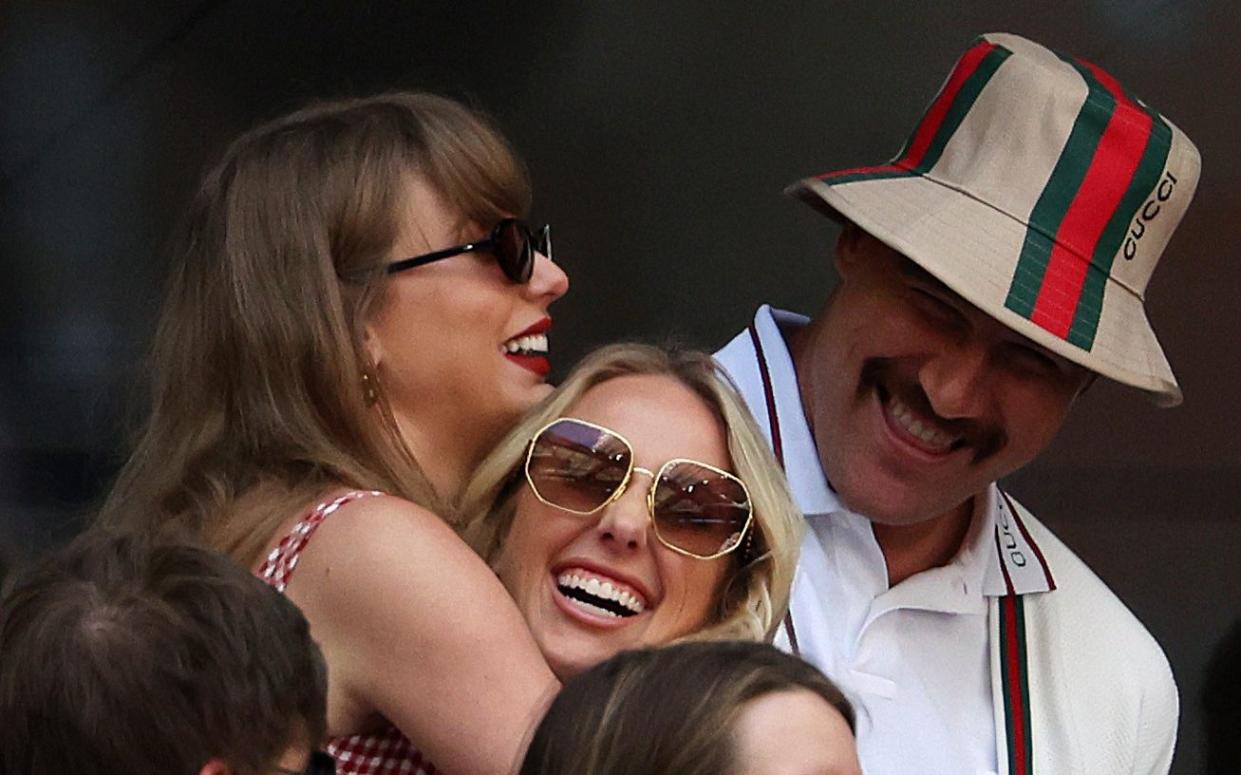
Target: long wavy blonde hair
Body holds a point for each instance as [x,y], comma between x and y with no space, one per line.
[756,593]
[258,401]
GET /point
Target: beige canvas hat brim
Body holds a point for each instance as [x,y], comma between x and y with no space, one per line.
[966,244]
[1043,193]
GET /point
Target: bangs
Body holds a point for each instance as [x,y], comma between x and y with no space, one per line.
[473,167]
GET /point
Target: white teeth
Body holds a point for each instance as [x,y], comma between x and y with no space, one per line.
[534,343]
[578,579]
[929,435]
[594,609]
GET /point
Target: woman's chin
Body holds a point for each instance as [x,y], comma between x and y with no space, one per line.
[565,670]
[567,665]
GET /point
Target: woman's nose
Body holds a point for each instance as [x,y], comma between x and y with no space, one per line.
[548,281]
[625,522]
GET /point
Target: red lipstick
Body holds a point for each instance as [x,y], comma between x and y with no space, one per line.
[534,361]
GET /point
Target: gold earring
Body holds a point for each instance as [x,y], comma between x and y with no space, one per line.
[370,389]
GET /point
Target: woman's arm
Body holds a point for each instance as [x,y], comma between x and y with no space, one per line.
[415,626]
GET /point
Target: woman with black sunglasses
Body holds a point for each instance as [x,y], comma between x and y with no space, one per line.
[357,314]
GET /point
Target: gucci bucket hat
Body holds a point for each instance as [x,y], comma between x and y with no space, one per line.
[1041,191]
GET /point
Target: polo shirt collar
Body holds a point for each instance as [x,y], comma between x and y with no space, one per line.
[799,454]
[956,587]
[1018,565]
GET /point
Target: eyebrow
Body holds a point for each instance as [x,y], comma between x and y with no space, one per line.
[911,269]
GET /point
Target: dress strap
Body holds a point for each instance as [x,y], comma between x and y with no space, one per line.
[278,568]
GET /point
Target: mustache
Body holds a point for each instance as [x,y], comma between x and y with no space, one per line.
[878,374]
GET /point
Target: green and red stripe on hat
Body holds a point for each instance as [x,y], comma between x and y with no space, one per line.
[1041,191]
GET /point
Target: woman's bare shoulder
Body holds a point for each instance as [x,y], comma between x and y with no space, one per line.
[376,539]
[405,611]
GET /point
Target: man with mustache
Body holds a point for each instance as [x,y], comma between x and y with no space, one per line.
[986,276]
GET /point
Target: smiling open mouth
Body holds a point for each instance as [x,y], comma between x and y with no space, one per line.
[912,413]
[533,344]
[528,348]
[598,597]
[931,438]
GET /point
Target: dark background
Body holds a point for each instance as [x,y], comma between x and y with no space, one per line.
[659,137]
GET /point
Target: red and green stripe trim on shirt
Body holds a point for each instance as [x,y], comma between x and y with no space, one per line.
[1014,664]
[777,448]
[1016,684]
[951,106]
[777,445]
[1014,675]
[1111,161]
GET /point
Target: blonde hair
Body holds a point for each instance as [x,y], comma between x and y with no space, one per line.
[756,595]
[258,401]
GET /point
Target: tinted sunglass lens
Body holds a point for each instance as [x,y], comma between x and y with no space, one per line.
[514,250]
[577,467]
[699,510]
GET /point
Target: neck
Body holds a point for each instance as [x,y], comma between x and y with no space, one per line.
[910,549]
[447,455]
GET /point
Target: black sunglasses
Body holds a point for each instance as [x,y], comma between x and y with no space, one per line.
[320,764]
[512,241]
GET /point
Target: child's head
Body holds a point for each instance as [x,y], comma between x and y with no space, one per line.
[701,707]
[119,655]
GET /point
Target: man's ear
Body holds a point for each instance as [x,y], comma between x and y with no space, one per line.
[215,767]
[848,247]
[1091,376]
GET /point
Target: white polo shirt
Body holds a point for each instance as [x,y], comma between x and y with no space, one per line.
[913,658]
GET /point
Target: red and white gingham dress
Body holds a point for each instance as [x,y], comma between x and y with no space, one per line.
[385,751]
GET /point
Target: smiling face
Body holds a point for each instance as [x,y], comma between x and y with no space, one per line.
[555,563]
[455,344]
[918,400]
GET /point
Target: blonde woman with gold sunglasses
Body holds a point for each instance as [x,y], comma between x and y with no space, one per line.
[637,506]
